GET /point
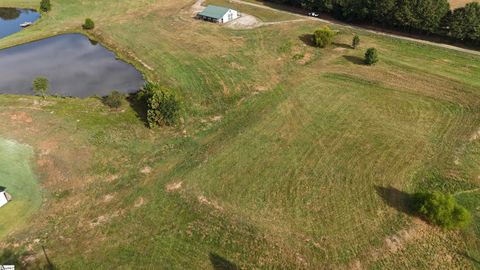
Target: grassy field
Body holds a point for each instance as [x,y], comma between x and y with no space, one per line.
[288,157]
[16,174]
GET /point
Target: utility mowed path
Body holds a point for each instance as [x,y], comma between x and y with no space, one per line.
[289,156]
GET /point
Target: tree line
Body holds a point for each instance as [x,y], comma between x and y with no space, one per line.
[413,16]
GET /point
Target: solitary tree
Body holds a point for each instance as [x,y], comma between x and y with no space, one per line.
[440,209]
[371,56]
[323,37]
[40,86]
[45,5]
[89,24]
[355,41]
[163,105]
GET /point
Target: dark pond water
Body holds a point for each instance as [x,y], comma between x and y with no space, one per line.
[11,18]
[73,64]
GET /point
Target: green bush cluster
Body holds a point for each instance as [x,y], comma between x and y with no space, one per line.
[45,5]
[440,209]
[323,37]
[114,100]
[371,56]
[163,105]
[89,24]
[355,41]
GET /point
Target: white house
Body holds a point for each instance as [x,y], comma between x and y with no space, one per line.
[4,196]
[218,14]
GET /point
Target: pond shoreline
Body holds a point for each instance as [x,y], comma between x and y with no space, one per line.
[122,54]
[73,64]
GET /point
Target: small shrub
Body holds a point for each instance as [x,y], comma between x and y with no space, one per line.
[355,41]
[371,56]
[114,100]
[298,56]
[45,5]
[440,209]
[89,24]
[163,105]
[323,37]
[40,86]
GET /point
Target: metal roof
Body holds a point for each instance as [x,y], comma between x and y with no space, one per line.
[214,12]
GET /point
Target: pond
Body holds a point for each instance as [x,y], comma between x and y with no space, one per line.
[73,64]
[11,18]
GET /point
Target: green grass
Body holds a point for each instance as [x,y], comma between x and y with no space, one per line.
[279,160]
[16,174]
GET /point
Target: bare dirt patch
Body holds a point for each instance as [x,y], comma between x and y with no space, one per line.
[244,22]
[139,202]
[103,219]
[22,117]
[394,243]
[475,135]
[173,186]
[146,170]
[197,7]
[459,3]
[204,200]
[306,58]
[46,147]
[108,198]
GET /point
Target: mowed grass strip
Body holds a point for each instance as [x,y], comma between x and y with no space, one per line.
[16,174]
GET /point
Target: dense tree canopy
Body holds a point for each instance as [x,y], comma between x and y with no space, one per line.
[421,16]
[465,22]
[45,5]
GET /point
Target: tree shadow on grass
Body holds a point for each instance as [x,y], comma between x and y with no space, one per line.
[397,199]
[139,106]
[354,59]
[307,39]
[342,45]
[9,257]
[220,263]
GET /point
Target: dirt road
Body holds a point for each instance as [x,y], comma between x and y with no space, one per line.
[442,45]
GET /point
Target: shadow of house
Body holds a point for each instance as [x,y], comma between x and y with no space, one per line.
[354,59]
[220,263]
[395,198]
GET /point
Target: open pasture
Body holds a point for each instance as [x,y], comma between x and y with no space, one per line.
[288,157]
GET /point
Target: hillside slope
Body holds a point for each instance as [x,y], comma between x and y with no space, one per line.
[289,156]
